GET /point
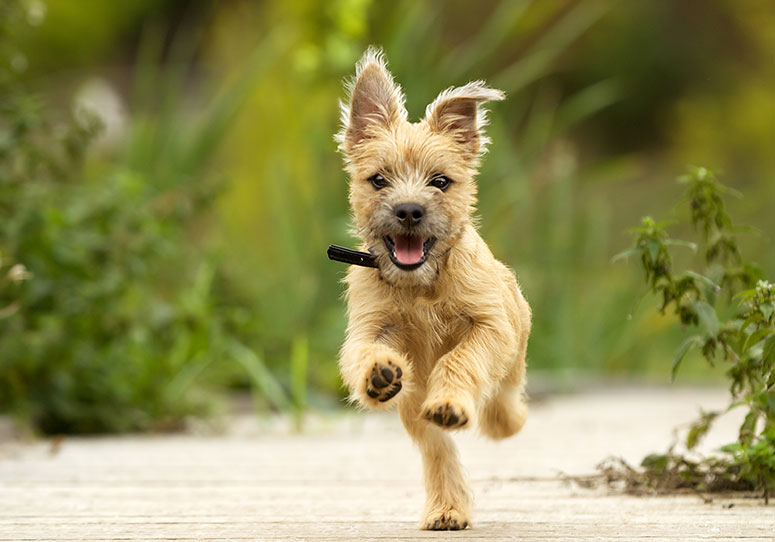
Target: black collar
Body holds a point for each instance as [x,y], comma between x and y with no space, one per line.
[353,257]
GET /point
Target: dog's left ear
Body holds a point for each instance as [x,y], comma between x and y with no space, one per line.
[456,112]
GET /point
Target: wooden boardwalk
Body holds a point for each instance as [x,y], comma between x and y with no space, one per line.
[356,477]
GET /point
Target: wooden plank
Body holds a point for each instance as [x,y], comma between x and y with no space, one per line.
[357,477]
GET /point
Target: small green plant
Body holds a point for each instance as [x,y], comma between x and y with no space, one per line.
[732,311]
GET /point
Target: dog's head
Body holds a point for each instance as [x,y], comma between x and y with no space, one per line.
[412,187]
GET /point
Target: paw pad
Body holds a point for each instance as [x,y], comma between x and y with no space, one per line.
[384,382]
[446,415]
[447,522]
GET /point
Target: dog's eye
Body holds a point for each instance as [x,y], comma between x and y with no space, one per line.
[441,182]
[378,181]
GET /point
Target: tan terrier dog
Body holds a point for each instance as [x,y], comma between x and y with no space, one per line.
[440,327]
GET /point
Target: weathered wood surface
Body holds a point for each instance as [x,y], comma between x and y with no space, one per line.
[357,477]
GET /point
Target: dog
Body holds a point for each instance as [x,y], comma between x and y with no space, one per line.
[438,326]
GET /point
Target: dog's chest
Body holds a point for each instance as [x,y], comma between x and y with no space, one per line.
[428,330]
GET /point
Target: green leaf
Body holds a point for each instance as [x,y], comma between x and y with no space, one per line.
[707,316]
[680,354]
[768,352]
[769,403]
[746,433]
[679,243]
[653,248]
[755,317]
[745,295]
[623,255]
[298,373]
[656,463]
[587,102]
[700,428]
[261,378]
[767,310]
[755,338]
[732,447]
[702,278]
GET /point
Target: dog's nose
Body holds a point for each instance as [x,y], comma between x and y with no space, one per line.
[409,214]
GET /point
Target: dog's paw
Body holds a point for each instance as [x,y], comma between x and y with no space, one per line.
[384,381]
[446,414]
[448,520]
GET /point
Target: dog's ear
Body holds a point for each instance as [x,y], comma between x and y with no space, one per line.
[375,101]
[457,113]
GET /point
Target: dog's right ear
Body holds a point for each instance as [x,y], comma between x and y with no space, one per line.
[375,101]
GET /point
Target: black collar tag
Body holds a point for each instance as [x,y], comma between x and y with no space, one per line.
[353,257]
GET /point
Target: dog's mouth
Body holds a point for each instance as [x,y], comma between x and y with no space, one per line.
[408,252]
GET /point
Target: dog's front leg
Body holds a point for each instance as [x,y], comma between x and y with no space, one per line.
[372,369]
[448,497]
[465,375]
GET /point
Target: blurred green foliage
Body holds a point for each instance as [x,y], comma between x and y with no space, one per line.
[99,331]
[123,322]
[221,188]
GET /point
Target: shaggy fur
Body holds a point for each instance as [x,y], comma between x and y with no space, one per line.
[445,342]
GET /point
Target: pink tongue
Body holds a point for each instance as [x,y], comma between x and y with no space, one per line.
[408,249]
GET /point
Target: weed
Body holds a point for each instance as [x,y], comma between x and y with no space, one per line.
[732,311]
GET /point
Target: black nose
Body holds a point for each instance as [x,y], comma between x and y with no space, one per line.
[409,214]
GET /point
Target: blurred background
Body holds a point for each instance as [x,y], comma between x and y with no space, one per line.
[169,185]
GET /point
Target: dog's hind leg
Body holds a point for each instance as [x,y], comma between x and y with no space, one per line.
[448,497]
[503,415]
